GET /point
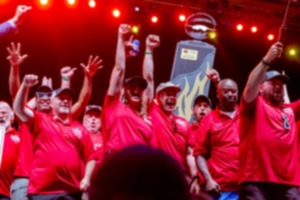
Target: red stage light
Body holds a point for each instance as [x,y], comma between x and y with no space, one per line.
[253,29]
[44,2]
[71,2]
[92,3]
[239,27]
[271,37]
[116,13]
[182,17]
[154,19]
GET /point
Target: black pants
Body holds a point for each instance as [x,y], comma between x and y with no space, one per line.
[76,196]
[267,191]
[4,197]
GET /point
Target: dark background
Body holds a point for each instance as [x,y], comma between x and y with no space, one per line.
[61,36]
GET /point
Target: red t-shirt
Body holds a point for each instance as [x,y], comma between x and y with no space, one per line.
[121,126]
[218,141]
[269,142]
[9,160]
[60,154]
[170,134]
[26,152]
[98,145]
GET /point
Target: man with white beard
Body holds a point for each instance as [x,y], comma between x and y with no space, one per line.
[9,147]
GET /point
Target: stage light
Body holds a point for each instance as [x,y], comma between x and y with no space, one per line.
[271,37]
[92,3]
[239,27]
[154,19]
[116,13]
[44,2]
[135,29]
[182,17]
[292,52]
[212,35]
[136,9]
[253,29]
[71,2]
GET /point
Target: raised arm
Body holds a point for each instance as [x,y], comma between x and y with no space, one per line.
[15,59]
[10,27]
[214,76]
[118,72]
[90,69]
[24,113]
[258,73]
[152,41]
[66,74]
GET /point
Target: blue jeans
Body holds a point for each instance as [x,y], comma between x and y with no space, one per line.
[18,189]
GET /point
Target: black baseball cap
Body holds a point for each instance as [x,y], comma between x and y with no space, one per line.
[275,74]
[136,80]
[43,88]
[202,98]
[60,91]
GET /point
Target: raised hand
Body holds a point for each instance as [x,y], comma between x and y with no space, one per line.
[15,58]
[47,82]
[67,72]
[93,65]
[274,52]
[30,80]
[21,12]
[124,30]
[152,41]
[213,75]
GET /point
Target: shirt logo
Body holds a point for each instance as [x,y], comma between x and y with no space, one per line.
[77,132]
[181,122]
[15,138]
[97,146]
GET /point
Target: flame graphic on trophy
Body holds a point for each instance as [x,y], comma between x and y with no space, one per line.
[193,58]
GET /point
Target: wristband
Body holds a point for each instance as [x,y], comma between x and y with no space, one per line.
[266,64]
[148,52]
[65,78]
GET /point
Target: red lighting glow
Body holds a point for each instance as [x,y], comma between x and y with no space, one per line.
[270,37]
[154,19]
[44,2]
[239,27]
[253,29]
[92,3]
[71,2]
[116,13]
[182,17]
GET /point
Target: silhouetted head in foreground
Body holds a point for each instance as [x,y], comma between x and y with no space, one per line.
[139,173]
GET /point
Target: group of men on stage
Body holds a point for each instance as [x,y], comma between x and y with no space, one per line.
[246,151]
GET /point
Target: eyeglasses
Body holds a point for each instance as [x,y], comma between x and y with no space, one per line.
[43,94]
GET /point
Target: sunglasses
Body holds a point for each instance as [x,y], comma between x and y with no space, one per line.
[43,94]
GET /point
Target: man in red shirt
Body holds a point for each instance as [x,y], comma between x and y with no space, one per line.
[170,132]
[123,119]
[91,121]
[9,147]
[19,186]
[217,141]
[269,142]
[64,158]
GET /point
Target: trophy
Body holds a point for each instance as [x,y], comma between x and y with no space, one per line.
[193,58]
